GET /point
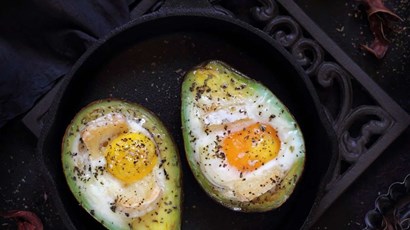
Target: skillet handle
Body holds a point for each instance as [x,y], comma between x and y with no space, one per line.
[187,6]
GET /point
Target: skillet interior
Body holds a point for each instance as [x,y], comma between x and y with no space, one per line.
[143,63]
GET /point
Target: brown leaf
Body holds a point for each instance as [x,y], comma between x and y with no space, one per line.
[377,48]
[25,220]
[381,21]
[377,6]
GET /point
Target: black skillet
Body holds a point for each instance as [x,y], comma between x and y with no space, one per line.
[144,62]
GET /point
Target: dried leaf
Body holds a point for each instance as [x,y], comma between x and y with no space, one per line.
[377,6]
[25,220]
[381,21]
[377,48]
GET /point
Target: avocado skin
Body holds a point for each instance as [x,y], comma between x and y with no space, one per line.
[266,202]
[168,214]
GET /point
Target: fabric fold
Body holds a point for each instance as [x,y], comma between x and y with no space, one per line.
[40,40]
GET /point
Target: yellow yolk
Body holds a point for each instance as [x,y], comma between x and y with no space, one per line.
[130,157]
[251,147]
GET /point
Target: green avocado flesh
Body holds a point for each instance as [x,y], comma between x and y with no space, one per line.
[87,177]
[215,96]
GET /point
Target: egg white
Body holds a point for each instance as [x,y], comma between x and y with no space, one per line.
[262,107]
[101,189]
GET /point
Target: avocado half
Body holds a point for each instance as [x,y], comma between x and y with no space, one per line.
[167,215]
[194,85]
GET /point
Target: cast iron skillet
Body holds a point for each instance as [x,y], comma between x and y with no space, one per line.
[144,62]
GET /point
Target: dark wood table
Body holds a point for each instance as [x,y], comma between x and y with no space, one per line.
[345,23]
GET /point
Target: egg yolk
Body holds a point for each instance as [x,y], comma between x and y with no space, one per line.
[130,157]
[251,147]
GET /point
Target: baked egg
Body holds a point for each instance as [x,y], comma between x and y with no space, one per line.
[243,145]
[122,166]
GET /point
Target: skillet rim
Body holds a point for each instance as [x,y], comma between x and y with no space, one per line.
[207,14]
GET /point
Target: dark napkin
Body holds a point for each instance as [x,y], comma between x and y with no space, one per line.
[41,39]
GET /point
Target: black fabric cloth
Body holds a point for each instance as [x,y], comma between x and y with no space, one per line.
[41,39]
